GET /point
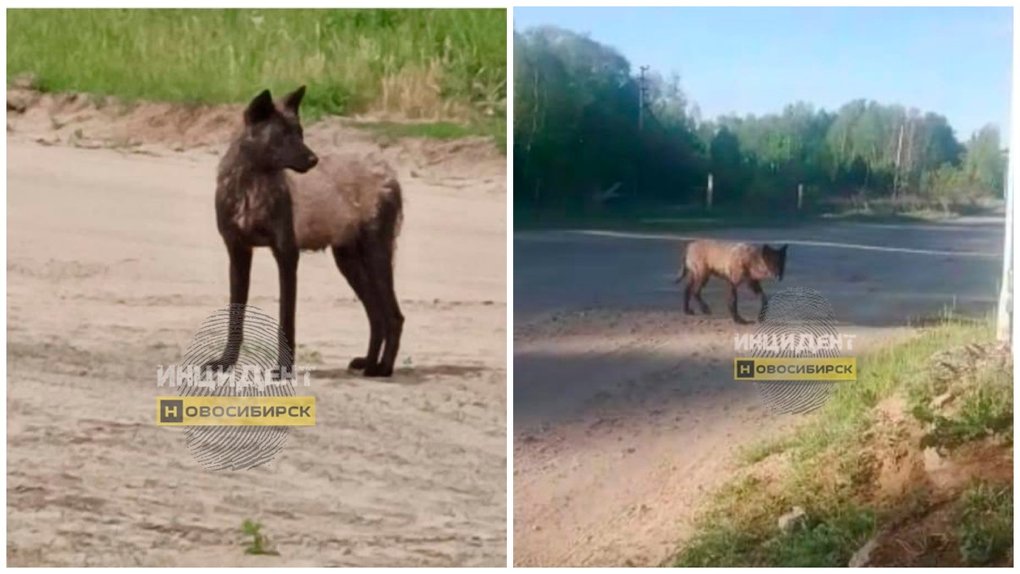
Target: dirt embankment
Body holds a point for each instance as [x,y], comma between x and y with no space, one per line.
[926,481]
[921,475]
[91,122]
[114,261]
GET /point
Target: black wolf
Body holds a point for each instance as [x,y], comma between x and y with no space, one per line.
[269,195]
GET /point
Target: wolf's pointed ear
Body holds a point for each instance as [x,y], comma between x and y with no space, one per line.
[783,249]
[293,100]
[260,109]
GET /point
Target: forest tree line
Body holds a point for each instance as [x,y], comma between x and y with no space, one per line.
[582,139]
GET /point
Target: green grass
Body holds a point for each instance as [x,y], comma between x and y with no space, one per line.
[739,526]
[651,219]
[428,64]
[259,543]
[888,218]
[658,219]
[821,542]
[911,208]
[985,526]
[661,217]
[759,451]
[433,130]
[389,131]
[985,409]
[848,414]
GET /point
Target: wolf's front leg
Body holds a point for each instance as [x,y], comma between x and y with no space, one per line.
[240,276]
[287,263]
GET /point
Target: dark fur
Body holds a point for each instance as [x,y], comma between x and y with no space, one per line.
[737,263]
[353,207]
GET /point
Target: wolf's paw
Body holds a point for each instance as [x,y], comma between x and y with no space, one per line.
[378,371]
[358,364]
[283,373]
[688,312]
[221,364]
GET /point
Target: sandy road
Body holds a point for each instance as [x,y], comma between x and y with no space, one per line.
[114,261]
[625,412]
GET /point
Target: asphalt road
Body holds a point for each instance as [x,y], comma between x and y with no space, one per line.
[872,274]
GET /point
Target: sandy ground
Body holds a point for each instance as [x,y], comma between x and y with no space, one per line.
[626,416]
[114,261]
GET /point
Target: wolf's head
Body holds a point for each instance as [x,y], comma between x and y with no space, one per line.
[273,137]
[775,260]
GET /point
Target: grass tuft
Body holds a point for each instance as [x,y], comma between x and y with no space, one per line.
[259,543]
[390,131]
[986,524]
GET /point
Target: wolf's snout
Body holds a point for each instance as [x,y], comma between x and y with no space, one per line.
[304,162]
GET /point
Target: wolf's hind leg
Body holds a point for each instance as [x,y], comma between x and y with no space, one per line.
[349,261]
[732,300]
[697,295]
[756,287]
[688,290]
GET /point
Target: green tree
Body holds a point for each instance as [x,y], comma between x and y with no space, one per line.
[577,132]
[985,163]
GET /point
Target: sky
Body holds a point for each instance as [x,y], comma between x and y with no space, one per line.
[952,61]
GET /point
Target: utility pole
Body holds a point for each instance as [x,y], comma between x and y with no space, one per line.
[910,148]
[896,176]
[642,89]
[641,127]
[1004,319]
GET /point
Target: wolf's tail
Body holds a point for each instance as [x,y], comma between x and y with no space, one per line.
[683,266]
[683,273]
[391,213]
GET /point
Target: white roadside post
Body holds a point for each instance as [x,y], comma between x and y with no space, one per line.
[708,194]
[1004,320]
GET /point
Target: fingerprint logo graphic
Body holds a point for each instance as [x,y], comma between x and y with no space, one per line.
[237,447]
[792,314]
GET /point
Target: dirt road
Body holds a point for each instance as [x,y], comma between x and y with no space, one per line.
[113,261]
[625,412]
